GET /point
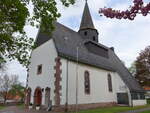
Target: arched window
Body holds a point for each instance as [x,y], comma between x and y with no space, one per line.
[87,82]
[109,83]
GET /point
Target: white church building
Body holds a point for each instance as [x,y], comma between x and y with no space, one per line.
[72,69]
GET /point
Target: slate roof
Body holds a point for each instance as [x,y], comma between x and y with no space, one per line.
[86,21]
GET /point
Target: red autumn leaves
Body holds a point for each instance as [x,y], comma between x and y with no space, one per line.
[137,8]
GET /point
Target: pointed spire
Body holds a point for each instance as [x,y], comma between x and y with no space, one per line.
[86,21]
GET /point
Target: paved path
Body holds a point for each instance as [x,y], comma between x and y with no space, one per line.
[137,111]
[14,109]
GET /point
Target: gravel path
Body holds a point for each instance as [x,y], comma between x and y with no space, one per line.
[14,109]
[137,111]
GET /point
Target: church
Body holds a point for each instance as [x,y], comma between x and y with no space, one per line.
[72,70]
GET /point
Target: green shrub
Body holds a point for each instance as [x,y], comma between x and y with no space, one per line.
[148,101]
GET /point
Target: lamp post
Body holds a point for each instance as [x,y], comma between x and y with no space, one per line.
[77,60]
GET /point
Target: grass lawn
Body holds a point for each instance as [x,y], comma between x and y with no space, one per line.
[2,107]
[21,106]
[114,109]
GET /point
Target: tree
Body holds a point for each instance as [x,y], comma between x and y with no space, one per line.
[18,89]
[14,15]
[137,8]
[3,68]
[132,69]
[143,67]
[6,83]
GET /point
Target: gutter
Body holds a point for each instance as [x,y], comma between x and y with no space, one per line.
[66,108]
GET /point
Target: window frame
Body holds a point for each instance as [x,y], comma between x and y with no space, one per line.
[110,86]
[39,69]
[137,96]
[87,83]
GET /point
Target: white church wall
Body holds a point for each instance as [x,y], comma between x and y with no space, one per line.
[121,87]
[45,55]
[139,102]
[98,84]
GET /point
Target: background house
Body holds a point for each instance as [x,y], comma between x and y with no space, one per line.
[147,89]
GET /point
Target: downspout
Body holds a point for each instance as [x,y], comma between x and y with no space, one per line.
[66,108]
[130,97]
[131,100]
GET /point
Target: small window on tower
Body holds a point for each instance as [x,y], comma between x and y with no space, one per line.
[39,69]
[94,39]
[85,33]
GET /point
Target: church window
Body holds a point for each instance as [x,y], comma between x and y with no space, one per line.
[85,33]
[87,82]
[39,69]
[137,96]
[109,83]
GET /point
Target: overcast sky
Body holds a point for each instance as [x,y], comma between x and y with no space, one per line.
[127,37]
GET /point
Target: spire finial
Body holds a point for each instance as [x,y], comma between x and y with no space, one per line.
[86,1]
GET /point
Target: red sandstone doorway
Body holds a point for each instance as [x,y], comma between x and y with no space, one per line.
[38,97]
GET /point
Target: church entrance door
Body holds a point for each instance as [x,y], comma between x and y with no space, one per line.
[38,97]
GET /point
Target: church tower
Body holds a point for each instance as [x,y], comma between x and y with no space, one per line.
[87,29]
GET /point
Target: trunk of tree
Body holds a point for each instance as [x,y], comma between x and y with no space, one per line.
[5,97]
